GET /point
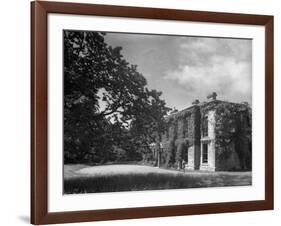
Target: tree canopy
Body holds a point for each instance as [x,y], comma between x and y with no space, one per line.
[109,112]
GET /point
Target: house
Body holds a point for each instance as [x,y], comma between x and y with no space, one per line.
[212,136]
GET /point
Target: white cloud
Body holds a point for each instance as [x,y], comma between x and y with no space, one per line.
[186,68]
[220,65]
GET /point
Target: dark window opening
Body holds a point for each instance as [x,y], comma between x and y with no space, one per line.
[205,153]
[186,156]
[205,126]
[185,128]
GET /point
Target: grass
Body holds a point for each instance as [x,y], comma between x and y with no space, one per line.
[111,178]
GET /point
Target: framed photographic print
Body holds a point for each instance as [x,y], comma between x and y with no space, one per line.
[147,112]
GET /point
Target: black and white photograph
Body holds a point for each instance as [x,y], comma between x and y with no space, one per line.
[151,112]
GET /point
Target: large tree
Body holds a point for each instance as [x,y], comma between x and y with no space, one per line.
[106,100]
[148,125]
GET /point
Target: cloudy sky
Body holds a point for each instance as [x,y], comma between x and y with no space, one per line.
[189,68]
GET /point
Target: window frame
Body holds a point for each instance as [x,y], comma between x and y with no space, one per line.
[205,153]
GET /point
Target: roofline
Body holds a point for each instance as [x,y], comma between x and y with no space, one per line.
[201,104]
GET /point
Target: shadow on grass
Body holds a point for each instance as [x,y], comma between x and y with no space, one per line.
[150,181]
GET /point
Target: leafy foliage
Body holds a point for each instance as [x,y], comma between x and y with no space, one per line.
[170,154]
[233,126]
[109,113]
[181,153]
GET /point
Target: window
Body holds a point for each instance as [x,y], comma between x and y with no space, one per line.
[205,126]
[186,155]
[185,127]
[205,153]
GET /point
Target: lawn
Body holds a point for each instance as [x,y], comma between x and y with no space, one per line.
[110,178]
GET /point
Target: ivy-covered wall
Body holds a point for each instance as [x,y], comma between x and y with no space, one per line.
[181,143]
[180,138]
[233,135]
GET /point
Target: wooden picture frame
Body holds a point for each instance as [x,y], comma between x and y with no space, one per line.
[39,112]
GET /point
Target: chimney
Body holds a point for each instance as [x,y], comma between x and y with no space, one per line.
[195,102]
[212,96]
